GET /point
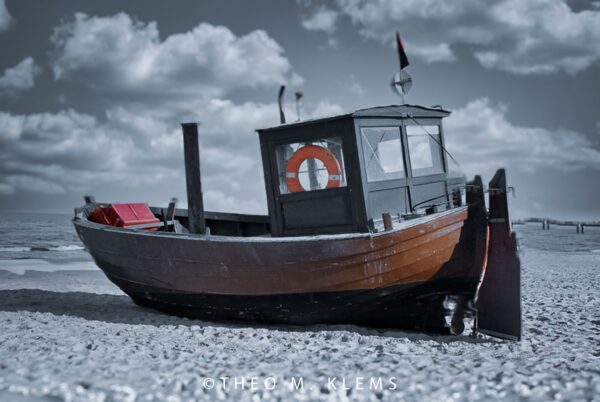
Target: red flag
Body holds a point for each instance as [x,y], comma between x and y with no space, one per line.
[403,59]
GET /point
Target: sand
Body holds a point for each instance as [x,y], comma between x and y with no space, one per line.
[73,336]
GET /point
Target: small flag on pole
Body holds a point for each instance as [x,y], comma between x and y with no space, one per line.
[403,59]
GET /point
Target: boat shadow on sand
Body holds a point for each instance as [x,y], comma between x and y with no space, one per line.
[120,309]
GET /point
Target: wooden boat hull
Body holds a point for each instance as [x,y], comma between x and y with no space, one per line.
[396,278]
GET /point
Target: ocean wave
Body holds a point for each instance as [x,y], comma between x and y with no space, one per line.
[14,249]
[20,266]
[70,247]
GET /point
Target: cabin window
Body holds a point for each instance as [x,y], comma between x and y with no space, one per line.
[382,150]
[424,149]
[311,165]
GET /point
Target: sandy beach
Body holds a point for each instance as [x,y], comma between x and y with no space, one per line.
[73,336]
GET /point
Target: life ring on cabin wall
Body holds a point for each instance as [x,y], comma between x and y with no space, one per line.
[317,152]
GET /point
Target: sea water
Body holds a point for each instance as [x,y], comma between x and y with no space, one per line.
[49,237]
[40,242]
[558,238]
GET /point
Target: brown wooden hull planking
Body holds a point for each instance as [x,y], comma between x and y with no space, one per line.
[397,278]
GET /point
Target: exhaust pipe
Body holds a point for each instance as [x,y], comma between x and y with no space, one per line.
[280,101]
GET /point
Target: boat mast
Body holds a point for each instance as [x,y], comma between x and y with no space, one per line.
[191,153]
[402,81]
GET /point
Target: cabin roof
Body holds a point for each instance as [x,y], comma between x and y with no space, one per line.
[398,111]
[402,111]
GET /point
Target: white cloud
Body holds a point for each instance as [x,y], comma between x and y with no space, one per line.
[58,148]
[322,19]
[325,108]
[352,85]
[5,17]
[136,148]
[227,202]
[431,53]
[27,183]
[519,36]
[482,139]
[6,189]
[121,55]
[19,78]
[154,85]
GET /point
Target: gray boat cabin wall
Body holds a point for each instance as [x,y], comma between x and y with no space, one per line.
[392,161]
[321,211]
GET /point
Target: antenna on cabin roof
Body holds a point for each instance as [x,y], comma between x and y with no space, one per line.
[402,81]
[299,96]
[280,101]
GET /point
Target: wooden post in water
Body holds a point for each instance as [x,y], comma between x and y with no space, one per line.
[545,224]
[191,153]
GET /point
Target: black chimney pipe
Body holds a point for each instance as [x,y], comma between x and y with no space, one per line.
[191,153]
[280,102]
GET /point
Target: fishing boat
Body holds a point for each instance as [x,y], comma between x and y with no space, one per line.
[366,225]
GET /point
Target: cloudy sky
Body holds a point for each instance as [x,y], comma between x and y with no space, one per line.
[92,93]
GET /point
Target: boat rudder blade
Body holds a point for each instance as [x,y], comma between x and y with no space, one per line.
[498,299]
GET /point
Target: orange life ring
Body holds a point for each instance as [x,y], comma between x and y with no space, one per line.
[317,152]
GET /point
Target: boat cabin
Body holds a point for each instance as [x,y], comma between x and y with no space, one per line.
[341,174]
